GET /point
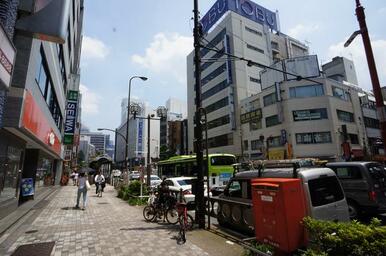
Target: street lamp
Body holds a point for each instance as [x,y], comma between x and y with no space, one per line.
[143,78]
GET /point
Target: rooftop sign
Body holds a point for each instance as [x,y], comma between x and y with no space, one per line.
[245,8]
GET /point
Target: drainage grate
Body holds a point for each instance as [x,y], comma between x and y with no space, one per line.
[31,231]
[40,249]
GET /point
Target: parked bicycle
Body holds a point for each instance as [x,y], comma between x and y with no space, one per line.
[161,210]
[185,220]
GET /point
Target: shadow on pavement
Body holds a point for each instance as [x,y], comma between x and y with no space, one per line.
[70,208]
[149,228]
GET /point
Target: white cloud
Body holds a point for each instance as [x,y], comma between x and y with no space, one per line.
[300,30]
[356,52]
[167,55]
[382,10]
[93,48]
[90,100]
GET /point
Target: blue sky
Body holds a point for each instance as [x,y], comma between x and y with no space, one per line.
[123,38]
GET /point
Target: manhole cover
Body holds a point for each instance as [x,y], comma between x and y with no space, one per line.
[31,231]
[103,203]
[40,249]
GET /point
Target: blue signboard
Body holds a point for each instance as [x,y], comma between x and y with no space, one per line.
[245,8]
[71,115]
[27,187]
[225,176]
[3,97]
[140,136]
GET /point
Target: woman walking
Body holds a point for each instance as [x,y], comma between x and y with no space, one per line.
[83,185]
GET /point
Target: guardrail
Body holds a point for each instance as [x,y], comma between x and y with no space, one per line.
[238,214]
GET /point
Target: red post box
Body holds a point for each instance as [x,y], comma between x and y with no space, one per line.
[279,207]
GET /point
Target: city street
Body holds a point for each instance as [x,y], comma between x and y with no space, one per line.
[109,226]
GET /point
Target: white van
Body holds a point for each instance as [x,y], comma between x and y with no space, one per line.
[324,195]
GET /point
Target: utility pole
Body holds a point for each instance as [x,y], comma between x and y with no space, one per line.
[148,168]
[360,12]
[200,210]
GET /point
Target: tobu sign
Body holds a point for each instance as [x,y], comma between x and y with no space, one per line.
[245,8]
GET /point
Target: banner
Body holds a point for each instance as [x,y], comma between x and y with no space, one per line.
[27,187]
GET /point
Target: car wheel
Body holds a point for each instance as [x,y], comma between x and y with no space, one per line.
[353,210]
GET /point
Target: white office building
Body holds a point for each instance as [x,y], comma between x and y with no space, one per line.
[138,135]
[224,83]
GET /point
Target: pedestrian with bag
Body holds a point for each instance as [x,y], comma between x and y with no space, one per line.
[83,186]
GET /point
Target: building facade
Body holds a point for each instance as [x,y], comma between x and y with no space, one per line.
[324,118]
[224,83]
[35,105]
[138,137]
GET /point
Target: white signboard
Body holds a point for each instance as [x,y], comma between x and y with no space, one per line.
[304,66]
[269,76]
[7,58]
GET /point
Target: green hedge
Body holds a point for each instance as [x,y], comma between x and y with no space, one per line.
[131,192]
[345,238]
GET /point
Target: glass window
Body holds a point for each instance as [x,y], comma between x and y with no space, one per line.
[217,105]
[218,122]
[217,88]
[256,144]
[274,141]
[220,141]
[218,71]
[340,93]
[313,138]
[272,121]
[345,116]
[208,63]
[234,189]
[217,39]
[309,114]
[307,91]
[348,172]
[269,99]
[353,138]
[255,48]
[371,122]
[222,160]
[253,31]
[325,191]
[255,124]
[255,80]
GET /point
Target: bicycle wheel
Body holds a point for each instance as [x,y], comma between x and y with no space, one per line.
[149,213]
[189,222]
[172,216]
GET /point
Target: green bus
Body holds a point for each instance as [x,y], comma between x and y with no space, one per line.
[220,167]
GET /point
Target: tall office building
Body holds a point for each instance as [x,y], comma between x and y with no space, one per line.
[341,69]
[33,104]
[244,29]
[138,136]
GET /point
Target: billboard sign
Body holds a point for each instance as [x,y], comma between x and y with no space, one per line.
[71,116]
[270,76]
[245,8]
[305,66]
[251,116]
[27,187]
[7,59]
[140,137]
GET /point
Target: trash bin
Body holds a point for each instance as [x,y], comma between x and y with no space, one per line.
[279,207]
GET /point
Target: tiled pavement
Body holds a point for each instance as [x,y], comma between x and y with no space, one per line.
[109,226]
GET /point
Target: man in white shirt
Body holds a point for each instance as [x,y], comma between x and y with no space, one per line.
[99,181]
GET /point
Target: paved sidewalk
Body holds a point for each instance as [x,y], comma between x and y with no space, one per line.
[109,226]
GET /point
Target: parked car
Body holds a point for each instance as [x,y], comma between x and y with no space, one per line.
[185,183]
[154,180]
[365,186]
[324,196]
[217,190]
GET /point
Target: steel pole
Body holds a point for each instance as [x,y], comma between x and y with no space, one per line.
[127,129]
[360,12]
[200,210]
